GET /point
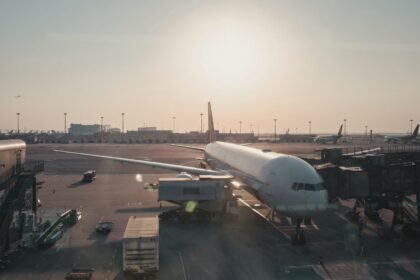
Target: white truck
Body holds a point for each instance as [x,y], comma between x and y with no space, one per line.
[141,245]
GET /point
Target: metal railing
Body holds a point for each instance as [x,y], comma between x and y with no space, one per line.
[386,149]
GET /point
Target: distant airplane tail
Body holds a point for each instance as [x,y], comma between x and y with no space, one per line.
[211,134]
[416,131]
[340,131]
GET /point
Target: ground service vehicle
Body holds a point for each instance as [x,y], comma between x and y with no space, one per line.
[89,176]
[104,227]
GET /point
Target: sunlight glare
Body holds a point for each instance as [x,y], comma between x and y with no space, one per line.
[230,54]
[139,178]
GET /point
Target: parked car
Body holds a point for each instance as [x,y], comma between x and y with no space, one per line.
[104,227]
[89,176]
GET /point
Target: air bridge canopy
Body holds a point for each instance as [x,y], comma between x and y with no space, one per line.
[185,189]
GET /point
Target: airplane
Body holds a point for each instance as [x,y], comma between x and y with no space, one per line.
[416,141]
[402,139]
[323,139]
[285,183]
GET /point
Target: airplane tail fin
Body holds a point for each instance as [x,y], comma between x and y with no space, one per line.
[340,131]
[211,134]
[416,131]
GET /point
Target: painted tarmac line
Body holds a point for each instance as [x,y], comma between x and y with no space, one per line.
[183,266]
[396,262]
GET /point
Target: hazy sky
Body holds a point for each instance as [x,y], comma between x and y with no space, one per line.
[254,60]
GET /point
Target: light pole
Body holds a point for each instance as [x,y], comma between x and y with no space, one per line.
[366,130]
[122,122]
[102,129]
[18,123]
[345,127]
[310,128]
[201,118]
[173,123]
[275,129]
[65,123]
[411,126]
[240,127]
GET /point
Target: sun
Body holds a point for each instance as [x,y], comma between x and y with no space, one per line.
[229,56]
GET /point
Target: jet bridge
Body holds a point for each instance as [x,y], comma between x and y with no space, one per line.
[378,178]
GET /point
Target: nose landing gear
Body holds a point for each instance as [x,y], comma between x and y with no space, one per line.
[298,238]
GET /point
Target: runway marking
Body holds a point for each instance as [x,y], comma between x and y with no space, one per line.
[264,217]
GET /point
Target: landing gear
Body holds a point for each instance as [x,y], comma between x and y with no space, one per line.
[298,238]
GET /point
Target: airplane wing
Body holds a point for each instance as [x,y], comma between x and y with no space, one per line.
[189,147]
[168,166]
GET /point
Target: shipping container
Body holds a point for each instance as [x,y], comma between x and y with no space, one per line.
[141,245]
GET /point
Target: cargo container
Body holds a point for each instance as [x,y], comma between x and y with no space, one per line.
[141,245]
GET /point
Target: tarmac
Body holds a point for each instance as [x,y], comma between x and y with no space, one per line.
[252,247]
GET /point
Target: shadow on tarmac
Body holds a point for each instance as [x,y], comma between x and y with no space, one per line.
[77,184]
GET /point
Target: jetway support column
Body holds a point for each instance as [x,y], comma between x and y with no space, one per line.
[34,197]
[418,204]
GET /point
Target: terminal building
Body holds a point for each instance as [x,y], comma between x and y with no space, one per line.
[81,133]
[84,129]
[18,188]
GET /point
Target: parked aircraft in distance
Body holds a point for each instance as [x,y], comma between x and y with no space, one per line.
[404,138]
[285,183]
[323,139]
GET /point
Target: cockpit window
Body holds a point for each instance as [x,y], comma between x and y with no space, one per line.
[319,186]
[307,187]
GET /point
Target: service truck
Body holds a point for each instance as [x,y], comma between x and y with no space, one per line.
[141,245]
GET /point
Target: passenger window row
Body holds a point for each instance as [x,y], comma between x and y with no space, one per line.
[307,187]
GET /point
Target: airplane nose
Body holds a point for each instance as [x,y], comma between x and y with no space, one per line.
[318,200]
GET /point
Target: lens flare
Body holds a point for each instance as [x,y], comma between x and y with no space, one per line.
[139,178]
[190,206]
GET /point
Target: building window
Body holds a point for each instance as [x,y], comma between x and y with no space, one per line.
[192,190]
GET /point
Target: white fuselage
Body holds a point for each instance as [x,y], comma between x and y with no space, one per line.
[285,183]
[398,139]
